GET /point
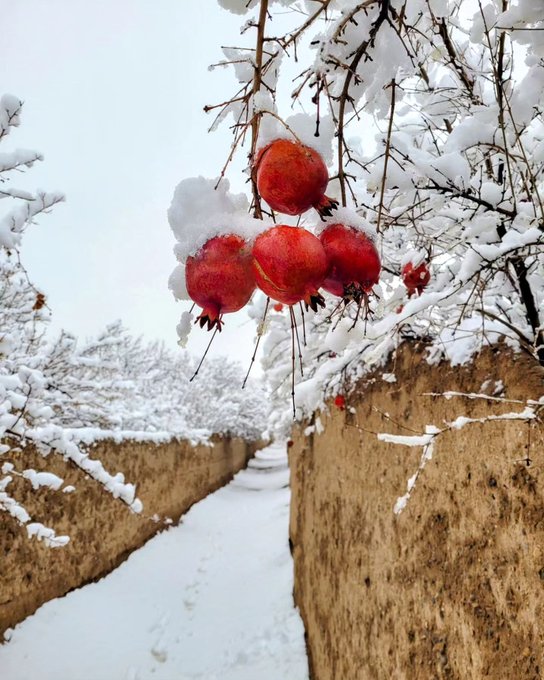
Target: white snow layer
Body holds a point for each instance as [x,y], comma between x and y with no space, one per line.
[349,218]
[243,6]
[210,599]
[202,209]
[299,126]
[237,6]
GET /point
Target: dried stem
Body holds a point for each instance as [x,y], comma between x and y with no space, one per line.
[387,152]
[256,117]
[345,96]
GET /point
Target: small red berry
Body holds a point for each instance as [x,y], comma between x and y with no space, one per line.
[340,402]
[416,278]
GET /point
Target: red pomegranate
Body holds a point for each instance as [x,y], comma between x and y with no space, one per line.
[289,265]
[292,178]
[354,263]
[415,278]
[220,278]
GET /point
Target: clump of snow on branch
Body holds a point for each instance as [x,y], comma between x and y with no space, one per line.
[428,440]
[202,209]
[238,6]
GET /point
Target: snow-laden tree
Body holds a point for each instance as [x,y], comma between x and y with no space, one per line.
[90,386]
[217,401]
[116,382]
[429,114]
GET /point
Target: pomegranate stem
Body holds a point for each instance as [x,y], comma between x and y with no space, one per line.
[295,326]
[293,365]
[204,355]
[359,302]
[255,121]
[303,324]
[259,335]
[329,318]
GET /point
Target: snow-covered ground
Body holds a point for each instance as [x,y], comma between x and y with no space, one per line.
[209,599]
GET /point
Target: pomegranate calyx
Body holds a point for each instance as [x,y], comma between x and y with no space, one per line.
[352,291]
[313,301]
[326,207]
[211,318]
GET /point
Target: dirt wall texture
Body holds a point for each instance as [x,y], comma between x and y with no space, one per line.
[103,531]
[453,586]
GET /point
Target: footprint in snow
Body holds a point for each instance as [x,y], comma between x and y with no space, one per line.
[160,652]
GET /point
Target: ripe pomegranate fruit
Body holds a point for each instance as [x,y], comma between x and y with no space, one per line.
[289,265]
[354,263]
[292,178]
[416,278]
[220,278]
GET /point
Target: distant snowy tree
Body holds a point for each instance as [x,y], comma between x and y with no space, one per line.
[216,401]
[118,382]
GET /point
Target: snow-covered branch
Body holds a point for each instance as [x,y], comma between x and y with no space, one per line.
[428,439]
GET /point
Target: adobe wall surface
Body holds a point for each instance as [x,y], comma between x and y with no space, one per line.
[103,531]
[453,586]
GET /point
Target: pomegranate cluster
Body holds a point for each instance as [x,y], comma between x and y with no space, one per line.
[289,264]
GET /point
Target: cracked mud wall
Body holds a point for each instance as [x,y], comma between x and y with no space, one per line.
[453,586]
[103,531]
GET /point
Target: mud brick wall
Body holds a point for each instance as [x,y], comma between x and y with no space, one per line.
[453,586]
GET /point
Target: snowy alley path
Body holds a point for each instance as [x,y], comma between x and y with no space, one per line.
[209,599]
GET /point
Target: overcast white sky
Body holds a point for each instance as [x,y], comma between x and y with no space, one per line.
[113,93]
